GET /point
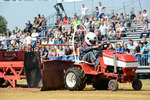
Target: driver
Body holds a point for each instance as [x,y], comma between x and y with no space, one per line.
[87,54]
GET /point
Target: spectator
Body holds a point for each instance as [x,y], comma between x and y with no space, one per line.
[29,25]
[16,30]
[103,31]
[7,38]
[42,32]
[131,47]
[84,11]
[76,22]
[101,9]
[51,40]
[52,54]
[58,22]
[26,29]
[120,49]
[145,15]
[110,47]
[13,37]
[143,51]
[144,41]
[43,22]
[146,30]
[44,41]
[137,47]
[148,49]
[44,53]
[34,37]
[2,39]
[28,39]
[68,52]
[49,34]
[1,45]
[126,50]
[96,12]
[132,16]
[113,16]
[35,23]
[122,43]
[140,17]
[39,20]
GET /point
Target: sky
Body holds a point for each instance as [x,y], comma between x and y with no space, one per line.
[18,13]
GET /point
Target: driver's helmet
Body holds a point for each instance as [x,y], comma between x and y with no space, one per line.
[91,38]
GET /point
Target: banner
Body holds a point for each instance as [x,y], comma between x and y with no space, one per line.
[72,0]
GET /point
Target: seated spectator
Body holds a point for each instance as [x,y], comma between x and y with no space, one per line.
[68,52]
[112,16]
[44,53]
[120,49]
[122,43]
[86,24]
[12,38]
[2,39]
[60,54]
[39,20]
[49,34]
[131,47]
[134,54]
[42,32]
[144,41]
[143,60]
[137,47]
[44,41]
[35,23]
[126,50]
[51,41]
[76,22]
[7,39]
[92,18]
[146,30]
[58,22]
[115,45]
[65,20]
[52,54]
[145,15]
[58,41]
[121,18]
[43,23]
[26,29]
[148,49]
[29,25]
[132,16]
[140,17]
[110,47]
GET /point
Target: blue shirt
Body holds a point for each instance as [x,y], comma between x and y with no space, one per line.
[144,52]
[102,29]
[42,33]
[120,50]
[148,46]
[147,27]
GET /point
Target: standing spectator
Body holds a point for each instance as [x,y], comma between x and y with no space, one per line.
[16,30]
[13,38]
[7,38]
[97,12]
[84,11]
[42,33]
[58,22]
[101,9]
[137,47]
[120,49]
[44,20]
[34,37]
[28,39]
[145,15]
[131,47]
[29,25]
[143,60]
[39,20]
[146,29]
[103,30]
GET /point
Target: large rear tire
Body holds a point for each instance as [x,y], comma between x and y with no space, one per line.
[75,79]
[137,84]
[113,85]
[103,85]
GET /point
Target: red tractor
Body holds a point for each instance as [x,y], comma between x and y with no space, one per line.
[114,67]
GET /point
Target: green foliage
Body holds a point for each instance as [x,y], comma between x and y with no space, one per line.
[3,24]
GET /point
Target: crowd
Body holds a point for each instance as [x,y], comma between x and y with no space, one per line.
[105,26]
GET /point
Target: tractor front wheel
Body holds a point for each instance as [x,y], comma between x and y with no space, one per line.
[137,84]
[113,85]
[75,79]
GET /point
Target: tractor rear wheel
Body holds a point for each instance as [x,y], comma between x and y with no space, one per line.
[137,84]
[1,81]
[113,85]
[103,85]
[75,79]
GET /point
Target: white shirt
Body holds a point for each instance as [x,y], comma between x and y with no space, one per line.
[1,39]
[28,39]
[51,42]
[13,36]
[101,9]
[34,36]
[145,15]
[84,10]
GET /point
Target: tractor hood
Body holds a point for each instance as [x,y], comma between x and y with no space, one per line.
[122,59]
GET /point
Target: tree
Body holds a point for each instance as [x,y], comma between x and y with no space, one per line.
[3,24]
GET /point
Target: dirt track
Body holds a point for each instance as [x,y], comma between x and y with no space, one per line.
[125,92]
